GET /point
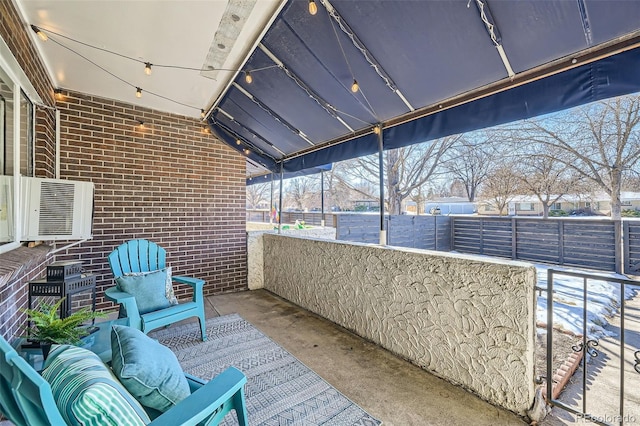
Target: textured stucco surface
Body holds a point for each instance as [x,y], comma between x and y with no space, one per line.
[467,319]
[255,264]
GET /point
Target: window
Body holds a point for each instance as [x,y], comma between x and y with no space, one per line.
[7,148]
[27,162]
[16,142]
[556,206]
[524,207]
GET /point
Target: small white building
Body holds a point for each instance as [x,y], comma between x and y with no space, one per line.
[450,205]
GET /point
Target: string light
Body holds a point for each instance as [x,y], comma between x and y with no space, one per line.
[313,7]
[238,142]
[147,65]
[247,151]
[202,114]
[376,130]
[355,87]
[58,94]
[39,33]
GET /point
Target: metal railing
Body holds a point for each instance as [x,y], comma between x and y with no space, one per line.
[589,348]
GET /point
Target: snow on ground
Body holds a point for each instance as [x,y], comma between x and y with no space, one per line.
[603,301]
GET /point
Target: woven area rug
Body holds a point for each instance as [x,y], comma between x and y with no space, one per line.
[280,390]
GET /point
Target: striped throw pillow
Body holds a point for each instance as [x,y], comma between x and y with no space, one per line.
[86,391]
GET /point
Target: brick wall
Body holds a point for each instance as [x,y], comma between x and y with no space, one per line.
[20,266]
[169,180]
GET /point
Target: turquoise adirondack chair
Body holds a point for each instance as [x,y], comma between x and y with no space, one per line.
[147,256]
[26,398]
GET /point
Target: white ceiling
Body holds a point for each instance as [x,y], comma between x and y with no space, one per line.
[182,33]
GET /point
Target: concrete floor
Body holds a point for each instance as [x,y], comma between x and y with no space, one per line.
[389,388]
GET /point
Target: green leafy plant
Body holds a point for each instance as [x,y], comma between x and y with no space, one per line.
[48,327]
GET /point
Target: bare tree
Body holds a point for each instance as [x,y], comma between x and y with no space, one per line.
[405,170]
[544,174]
[300,190]
[339,190]
[258,193]
[601,140]
[501,186]
[472,159]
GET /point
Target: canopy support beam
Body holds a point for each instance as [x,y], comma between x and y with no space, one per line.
[280,201]
[322,198]
[383,232]
[272,207]
[344,26]
[312,94]
[272,113]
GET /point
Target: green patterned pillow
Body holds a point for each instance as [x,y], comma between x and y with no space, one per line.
[150,371]
[86,392]
[149,290]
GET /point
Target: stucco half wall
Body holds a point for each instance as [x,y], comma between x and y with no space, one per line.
[467,319]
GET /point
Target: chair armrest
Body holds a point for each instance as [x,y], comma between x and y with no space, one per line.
[129,304]
[195,383]
[205,402]
[193,282]
[196,283]
[115,295]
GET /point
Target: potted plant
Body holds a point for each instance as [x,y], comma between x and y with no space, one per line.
[47,328]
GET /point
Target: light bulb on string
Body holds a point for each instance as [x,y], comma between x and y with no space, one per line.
[138,92]
[313,7]
[202,114]
[376,130]
[39,33]
[147,68]
[238,142]
[246,151]
[247,77]
[355,87]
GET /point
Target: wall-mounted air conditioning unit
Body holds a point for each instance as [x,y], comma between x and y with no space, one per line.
[56,209]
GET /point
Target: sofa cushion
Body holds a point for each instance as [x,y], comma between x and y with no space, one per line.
[86,392]
[148,289]
[150,371]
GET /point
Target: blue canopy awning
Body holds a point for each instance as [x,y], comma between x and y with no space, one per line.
[425,69]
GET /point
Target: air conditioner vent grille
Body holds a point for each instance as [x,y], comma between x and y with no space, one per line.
[56,208]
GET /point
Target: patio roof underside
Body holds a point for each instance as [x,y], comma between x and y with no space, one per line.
[425,69]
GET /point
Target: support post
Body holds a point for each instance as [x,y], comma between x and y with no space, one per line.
[280,201]
[272,206]
[383,232]
[322,198]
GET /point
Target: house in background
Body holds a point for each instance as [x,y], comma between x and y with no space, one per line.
[576,204]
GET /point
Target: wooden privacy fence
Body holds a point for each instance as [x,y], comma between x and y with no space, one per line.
[584,242]
[310,218]
[571,242]
[631,238]
[423,232]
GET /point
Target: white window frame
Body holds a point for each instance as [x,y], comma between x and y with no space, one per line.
[21,84]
